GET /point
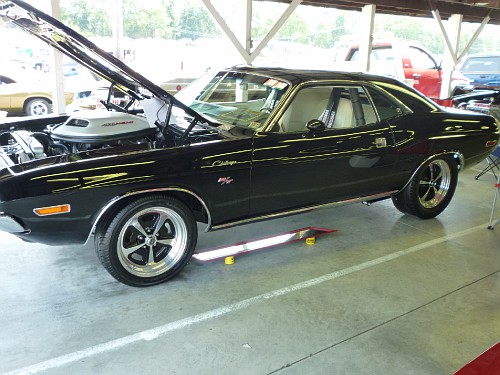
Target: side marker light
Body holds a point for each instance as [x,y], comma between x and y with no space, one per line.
[53,210]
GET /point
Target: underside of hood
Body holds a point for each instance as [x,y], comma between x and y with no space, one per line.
[83,51]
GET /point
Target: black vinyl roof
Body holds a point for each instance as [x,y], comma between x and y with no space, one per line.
[472,10]
[297,76]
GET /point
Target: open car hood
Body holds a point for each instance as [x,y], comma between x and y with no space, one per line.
[83,51]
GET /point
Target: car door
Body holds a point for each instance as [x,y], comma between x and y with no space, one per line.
[5,92]
[423,71]
[353,156]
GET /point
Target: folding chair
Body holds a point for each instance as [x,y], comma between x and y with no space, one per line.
[493,163]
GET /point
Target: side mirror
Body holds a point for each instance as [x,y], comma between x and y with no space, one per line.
[315,126]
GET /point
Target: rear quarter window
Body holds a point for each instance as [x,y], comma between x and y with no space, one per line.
[385,106]
[408,99]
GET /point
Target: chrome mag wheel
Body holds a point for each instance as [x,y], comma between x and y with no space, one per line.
[152,241]
[431,188]
[148,241]
[434,183]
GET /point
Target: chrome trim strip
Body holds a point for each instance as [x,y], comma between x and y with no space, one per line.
[304,209]
[118,198]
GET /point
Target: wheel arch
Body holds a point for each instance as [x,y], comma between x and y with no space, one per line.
[192,200]
[34,97]
[454,154]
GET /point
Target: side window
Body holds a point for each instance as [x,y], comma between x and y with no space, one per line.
[420,59]
[386,108]
[309,104]
[349,107]
[411,100]
[339,107]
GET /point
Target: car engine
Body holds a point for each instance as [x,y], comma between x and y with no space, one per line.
[83,131]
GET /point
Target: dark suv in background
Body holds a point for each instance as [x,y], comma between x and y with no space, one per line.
[483,70]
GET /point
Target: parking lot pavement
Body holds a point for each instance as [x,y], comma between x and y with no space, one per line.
[387,293]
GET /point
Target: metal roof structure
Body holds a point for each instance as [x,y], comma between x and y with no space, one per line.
[471,10]
[482,12]
[455,11]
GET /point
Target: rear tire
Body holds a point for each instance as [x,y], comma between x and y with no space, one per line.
[430,190]
[148,242]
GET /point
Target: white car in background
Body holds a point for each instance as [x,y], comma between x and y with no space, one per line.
[93,95]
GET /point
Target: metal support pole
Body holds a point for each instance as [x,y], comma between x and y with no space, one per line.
[227,30]
[248,56]
[248,31]
[58,98]
[444,34]
[497,188]
[117,17]
[277,26]
[475,36]
[365,43]
[450,60]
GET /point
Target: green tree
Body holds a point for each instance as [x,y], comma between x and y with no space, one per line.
[294,29]
[328,33]
[88,18]
[196,22]
[143,21]
[411,29]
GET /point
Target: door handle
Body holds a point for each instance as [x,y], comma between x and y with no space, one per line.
[380,142]
[417,76]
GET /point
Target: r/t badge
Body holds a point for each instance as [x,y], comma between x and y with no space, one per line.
[225,180]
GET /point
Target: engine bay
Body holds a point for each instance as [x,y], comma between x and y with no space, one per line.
[89,130]
[83,131]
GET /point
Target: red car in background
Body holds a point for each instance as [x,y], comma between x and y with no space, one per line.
[412,64]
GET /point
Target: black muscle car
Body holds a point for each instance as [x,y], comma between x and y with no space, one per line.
[247,144]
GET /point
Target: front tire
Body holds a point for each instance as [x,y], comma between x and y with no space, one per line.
[430,190]
[148,242]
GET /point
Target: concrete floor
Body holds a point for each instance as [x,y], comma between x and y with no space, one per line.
[386,294]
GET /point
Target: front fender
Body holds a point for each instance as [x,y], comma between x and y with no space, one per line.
[116,202]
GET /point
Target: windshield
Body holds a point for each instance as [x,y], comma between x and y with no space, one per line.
[238,98]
